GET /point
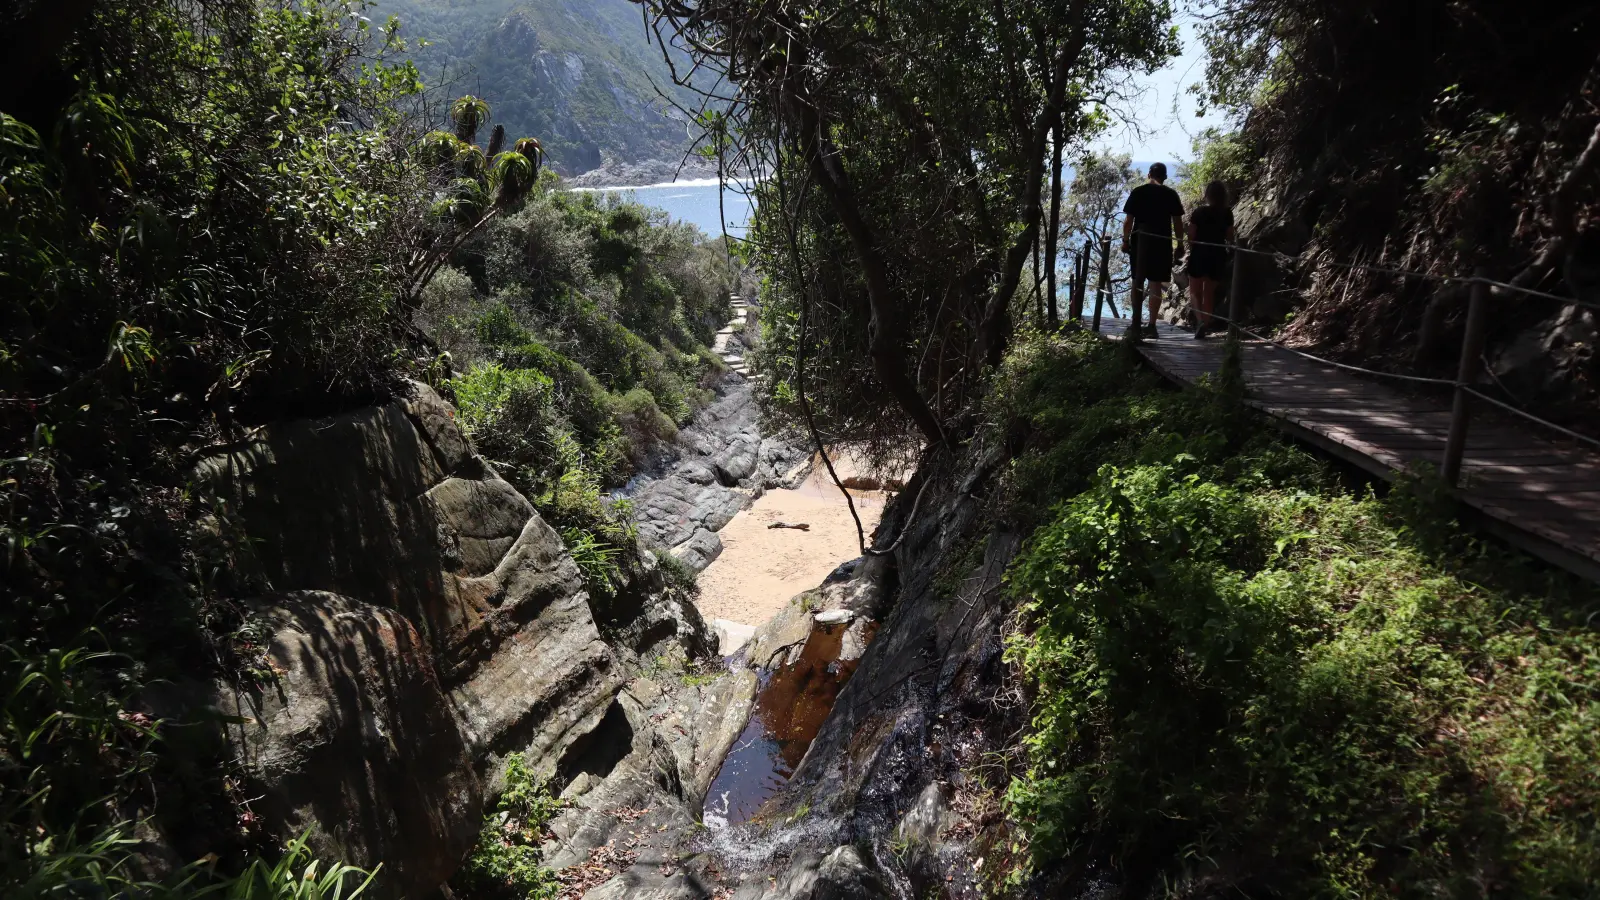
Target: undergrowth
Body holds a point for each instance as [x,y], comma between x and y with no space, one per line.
[1248,679]
[506,864]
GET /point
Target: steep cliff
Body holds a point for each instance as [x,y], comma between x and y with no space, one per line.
[579,75]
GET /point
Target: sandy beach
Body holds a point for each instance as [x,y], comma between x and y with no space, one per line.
[762,568]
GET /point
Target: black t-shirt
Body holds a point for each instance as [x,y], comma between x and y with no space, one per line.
[1152,207]
[1211,224]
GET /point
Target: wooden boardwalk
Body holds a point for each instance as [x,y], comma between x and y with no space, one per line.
[1538,493]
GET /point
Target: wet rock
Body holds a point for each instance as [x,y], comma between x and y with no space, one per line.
[856,638]
[720,712]
[785,632]
[840,875]
[355,742]
[921,824]
[629,821]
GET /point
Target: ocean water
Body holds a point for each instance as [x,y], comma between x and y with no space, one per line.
[695,202]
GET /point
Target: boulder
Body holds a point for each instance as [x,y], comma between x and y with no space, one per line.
[699,550]
[731,636]
[738,462]
[355,743]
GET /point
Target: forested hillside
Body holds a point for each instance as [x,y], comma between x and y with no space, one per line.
[578,73]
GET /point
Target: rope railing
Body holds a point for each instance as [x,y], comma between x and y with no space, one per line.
[1390,270]
[1472,344]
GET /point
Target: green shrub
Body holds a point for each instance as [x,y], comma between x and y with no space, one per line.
[299,875]
[1244,679]
[602,574]
[679,574]
[506,863]
[507,412]
[642,421]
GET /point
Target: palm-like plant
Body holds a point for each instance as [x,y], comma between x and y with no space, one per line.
[470,161]
[513,175]
[484,184]
[469,113]
[438,148]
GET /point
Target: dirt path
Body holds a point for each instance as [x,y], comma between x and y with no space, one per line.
[762,568]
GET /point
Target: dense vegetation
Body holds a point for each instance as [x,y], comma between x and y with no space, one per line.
[909,188]
[581,338]
[1249,678]
[218,214]
[201,219]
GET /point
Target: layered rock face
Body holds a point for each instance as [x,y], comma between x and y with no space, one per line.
[426,622]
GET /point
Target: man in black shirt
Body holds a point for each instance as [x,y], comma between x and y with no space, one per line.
[1154,214]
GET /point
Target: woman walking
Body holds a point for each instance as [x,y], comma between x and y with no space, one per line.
[1210,226]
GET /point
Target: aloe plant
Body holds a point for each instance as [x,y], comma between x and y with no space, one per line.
[483,183]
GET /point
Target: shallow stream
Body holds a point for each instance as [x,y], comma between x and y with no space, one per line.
[791,704]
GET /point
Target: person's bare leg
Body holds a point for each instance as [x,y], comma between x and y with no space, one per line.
[1204,300]
[1158,291]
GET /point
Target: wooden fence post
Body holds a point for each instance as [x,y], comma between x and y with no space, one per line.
[1455,446]
[1081,278]
[1100,291]
[1236,294]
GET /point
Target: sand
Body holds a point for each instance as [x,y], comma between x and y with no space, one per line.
[762,568]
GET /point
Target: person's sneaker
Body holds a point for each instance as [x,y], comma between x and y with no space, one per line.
[1150,331]
[1201,331]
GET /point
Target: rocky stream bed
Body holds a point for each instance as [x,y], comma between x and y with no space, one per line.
[425,623]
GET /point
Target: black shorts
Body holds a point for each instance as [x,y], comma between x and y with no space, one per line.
[1208,262]
[1151,257]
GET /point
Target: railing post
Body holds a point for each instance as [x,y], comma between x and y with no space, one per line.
[1236,294]
[1100,290]
[1471,355]
[1081,278]
[1136,286]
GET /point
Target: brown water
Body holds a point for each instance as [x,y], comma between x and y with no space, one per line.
[791,705]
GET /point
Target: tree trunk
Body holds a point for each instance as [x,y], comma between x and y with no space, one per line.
[994,327]
[886,345]
[1053,238]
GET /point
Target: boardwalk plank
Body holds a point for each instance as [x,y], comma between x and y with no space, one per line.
[1541,494]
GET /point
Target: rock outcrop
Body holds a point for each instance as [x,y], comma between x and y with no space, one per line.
[425,622]
[355,741]
[884,802]
[718,465]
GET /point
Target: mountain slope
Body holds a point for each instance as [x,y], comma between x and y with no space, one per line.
[579,75]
